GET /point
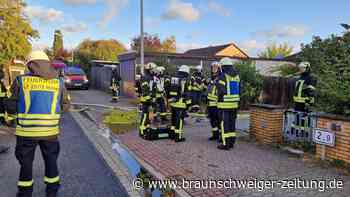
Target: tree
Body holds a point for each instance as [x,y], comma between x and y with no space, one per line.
[169,45]
[99,49]
[152,43]
[16,32]
[276,51]
[330,63]
[57,43]
[252,83]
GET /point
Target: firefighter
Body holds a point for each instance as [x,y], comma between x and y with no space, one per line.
[180,101]
[115,85]
[167,85]
[146,97]
[304,89]
[160,105]
[228,92]
[3,95]
[196,88]
[213,113]
[303,99]
[38,121]
[137,85]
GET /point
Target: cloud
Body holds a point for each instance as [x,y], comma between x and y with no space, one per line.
[79,2]
[114,6]
[43,14]
[283,31]
[74,28]
[182,47]
[181,10]
[252,47]
[39,45]
[218,8]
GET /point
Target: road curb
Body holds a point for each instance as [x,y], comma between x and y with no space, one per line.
[103,147]
[144,164]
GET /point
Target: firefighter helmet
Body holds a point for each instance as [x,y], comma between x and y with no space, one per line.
[161,69]
[199,68]
[215,67]
[37,55]
[184,68]
[304,65]
[150,66]
[226,62]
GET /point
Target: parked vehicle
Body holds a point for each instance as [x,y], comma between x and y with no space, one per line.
[75,77]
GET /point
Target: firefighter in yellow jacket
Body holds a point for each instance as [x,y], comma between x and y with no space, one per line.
[40,97]
[212,101]
[228,92]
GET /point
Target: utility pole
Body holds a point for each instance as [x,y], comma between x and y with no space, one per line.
[142,38]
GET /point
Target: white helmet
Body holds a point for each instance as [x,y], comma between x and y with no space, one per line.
[37,55]
[184,68]
[304,65]
[215,67]
[150,66]
[226,62]
[199,68]
[161,69]
[137,77]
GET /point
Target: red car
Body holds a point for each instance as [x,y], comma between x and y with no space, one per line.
[75,77]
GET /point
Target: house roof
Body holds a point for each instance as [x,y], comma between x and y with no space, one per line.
[211,50]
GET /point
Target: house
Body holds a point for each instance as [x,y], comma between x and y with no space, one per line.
[130,61]
[227,50]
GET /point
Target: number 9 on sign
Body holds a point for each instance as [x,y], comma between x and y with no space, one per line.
[324,137]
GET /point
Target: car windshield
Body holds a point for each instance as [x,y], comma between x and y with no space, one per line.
[74,71]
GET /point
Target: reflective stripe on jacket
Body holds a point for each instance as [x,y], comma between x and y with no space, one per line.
[300,88]
[231,97]
[212,95]
[38,106]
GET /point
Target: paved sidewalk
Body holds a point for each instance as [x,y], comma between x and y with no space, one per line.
[97,97]
[199,159]
[83,172]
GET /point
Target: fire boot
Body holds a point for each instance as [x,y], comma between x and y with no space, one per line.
[229,144]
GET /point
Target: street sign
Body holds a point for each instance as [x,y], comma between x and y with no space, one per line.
[324,137]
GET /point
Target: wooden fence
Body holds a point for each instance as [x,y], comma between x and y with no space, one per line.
[278,91]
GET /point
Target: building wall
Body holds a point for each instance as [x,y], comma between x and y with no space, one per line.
[231,51]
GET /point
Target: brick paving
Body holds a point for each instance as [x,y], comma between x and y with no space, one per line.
[199,159]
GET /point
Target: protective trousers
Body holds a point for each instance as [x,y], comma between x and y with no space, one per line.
[145,122]
[25,151]
[228,126]
[115,92]
[196,98]
[213,115]
[177,123]
[161,108]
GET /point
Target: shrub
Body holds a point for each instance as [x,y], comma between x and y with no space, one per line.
[330,63]
[251,83]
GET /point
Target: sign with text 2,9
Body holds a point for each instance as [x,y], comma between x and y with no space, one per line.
[323,137]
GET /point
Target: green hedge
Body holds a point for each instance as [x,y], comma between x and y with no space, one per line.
[330,63]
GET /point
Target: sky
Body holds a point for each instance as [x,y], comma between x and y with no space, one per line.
[252,25]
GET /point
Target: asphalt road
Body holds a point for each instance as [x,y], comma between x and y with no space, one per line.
[83,172]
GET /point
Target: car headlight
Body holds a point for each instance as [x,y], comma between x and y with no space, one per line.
[86,80]
[67,80]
